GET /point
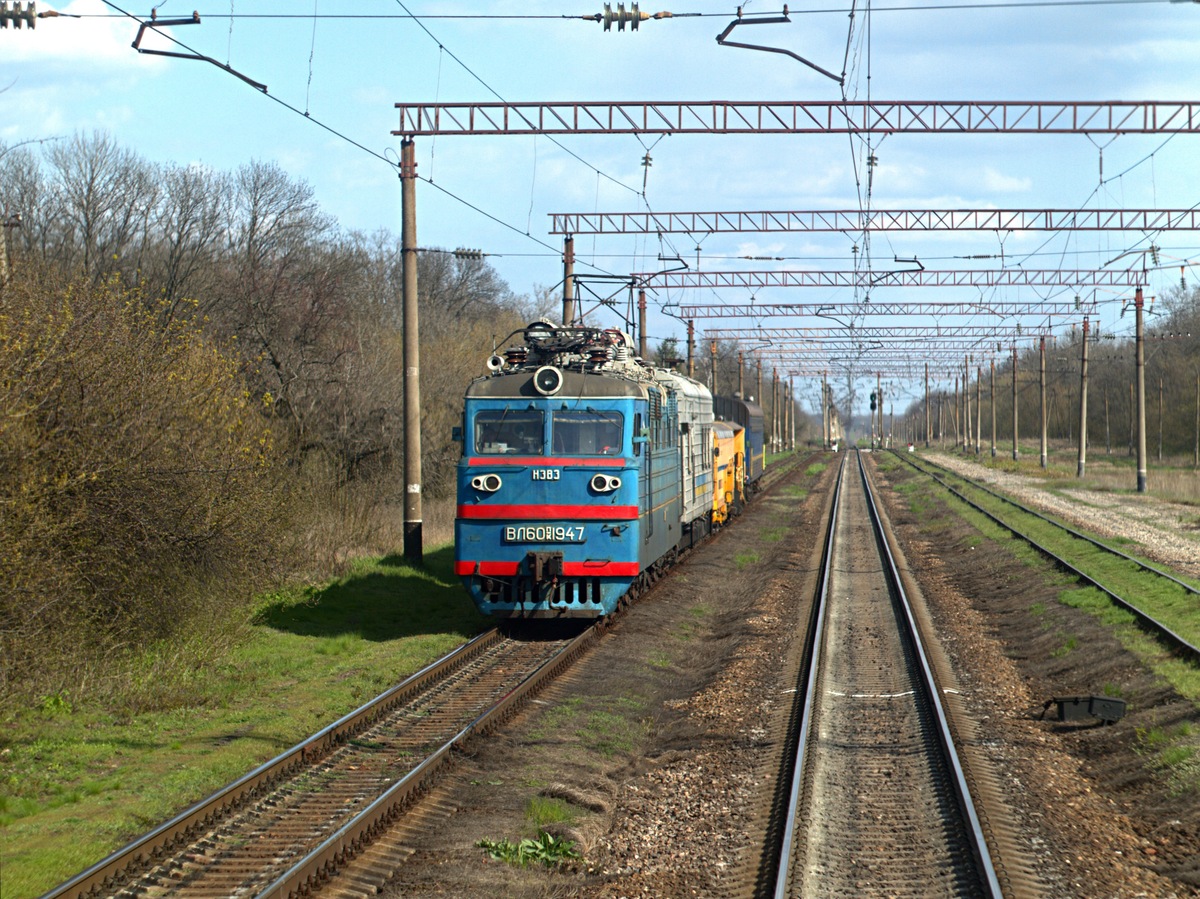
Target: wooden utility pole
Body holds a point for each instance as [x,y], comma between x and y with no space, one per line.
[957,409]
[568,310]
[1042,382]
[928,423]
[826,435]
[642,323]
[691,337]
[741,375]
[413,550]
[791,407]
[1015,452]
[967,405]
[1140,382]
[879,403]
[978,409]
[712,361]
[993,392]
[1083,398]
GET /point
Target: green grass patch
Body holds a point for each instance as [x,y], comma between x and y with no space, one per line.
[815,469]
[610,733]
[1172,754]
[545,810]
[795,491]
[742,560]
[1070,642]
[558,718]
[774,535]
[78,781]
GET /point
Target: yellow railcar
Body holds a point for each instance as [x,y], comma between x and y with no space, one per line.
[729,452]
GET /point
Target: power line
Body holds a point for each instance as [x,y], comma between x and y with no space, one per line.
[841,11]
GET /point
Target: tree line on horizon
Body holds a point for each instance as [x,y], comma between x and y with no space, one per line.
[202,393]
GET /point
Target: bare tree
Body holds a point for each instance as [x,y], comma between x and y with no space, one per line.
[105,196]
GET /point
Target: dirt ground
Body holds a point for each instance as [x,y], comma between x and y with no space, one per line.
[658,747]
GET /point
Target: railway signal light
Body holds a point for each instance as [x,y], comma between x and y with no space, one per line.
[872,401]
[16,15]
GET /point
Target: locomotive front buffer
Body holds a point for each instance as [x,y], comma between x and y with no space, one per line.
[544,567]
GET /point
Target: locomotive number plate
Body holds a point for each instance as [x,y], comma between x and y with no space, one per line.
[543,533]
[546,474]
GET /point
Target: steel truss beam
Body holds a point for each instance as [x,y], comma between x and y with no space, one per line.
[800,117]
[1008,277]
[895,368]
[926,333]
[901,348]
[851,310]
[906,373]
[581,224]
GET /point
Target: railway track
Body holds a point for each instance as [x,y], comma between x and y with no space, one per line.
[880,801]
[302,819]
[291,824]
[1179,598]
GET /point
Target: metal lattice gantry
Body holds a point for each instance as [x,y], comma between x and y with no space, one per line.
[902,348]
[904,372]
[998,309]
[862,365]
[582,224]
[870,280]
[913,335]
[800,117]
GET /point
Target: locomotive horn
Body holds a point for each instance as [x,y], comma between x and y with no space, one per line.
[495,362]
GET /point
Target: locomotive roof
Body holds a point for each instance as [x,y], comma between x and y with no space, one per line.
[519,385]
[750,406]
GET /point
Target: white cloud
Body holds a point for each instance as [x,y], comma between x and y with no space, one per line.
[95,42]
[999,183]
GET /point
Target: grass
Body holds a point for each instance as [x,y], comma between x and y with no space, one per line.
[78,781]
[1167,602]
[744,560]
[1173,755]
[542,811]
[1070,642]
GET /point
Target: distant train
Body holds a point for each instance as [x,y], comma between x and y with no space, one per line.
[586,470]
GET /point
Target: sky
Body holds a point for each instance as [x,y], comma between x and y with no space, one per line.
[335,69]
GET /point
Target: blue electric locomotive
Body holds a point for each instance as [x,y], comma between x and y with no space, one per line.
[584,470]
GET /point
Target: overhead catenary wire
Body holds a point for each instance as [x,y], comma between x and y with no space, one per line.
[841,11]
[122,13]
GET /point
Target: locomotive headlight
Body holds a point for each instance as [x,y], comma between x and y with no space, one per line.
[603,483]
[548,380]
[488,482]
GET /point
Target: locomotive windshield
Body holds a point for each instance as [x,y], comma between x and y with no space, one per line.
[588,433]
[509,431]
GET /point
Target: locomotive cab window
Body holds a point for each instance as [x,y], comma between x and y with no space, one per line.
[509,431]
[589,433]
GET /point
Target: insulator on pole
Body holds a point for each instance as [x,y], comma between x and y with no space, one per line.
[631,17]
[16,15]
[464,253]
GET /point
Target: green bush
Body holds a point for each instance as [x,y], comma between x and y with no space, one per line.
[139,494]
